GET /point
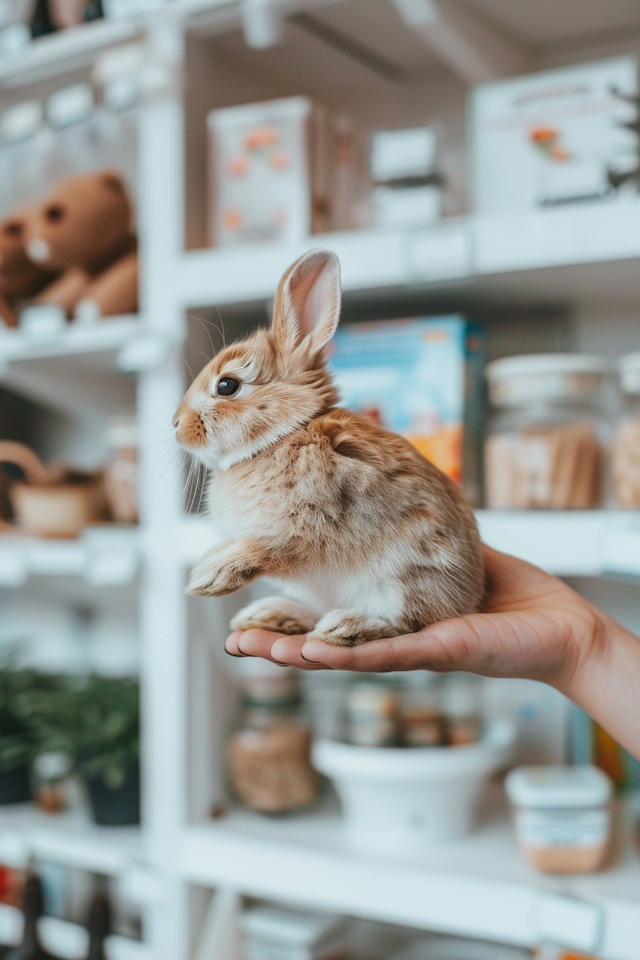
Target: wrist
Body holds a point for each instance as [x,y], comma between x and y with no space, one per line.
[587,654]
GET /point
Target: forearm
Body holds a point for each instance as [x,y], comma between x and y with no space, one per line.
[607,685]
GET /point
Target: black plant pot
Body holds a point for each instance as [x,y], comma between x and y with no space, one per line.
[119,807]
[15,785]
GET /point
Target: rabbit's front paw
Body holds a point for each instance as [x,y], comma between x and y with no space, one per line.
[347,628]
[217,579]
[277,614]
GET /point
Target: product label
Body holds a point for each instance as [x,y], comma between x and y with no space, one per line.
[563,828]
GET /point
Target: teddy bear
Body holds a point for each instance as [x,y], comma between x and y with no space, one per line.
[20,278]
[83,230]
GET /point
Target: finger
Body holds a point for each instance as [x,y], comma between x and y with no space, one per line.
[289,650]
[375,656]
[276,647]
[257,643]
[231,644]
[475,643]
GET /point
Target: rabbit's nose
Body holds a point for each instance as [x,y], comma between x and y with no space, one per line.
[176,421]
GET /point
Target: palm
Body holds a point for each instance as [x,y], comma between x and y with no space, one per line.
[534,626]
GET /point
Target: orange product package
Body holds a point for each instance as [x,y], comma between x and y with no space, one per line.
[421,378]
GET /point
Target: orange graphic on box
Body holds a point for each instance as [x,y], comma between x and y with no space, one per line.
[443,448]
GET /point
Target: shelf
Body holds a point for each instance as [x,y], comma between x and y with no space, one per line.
[68,838]
[588,543]
[106,336]
[69,940]
[479,886]
[104,556]
[370,259]
[576,543]
[83,367]
[64,52]
[580,253]
[571,234]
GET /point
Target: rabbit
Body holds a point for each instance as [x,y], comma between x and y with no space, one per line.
[366,537]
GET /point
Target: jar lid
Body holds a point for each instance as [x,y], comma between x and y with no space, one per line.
[52,766]
[629,368]
[545,376]
[546,363]
[558,787]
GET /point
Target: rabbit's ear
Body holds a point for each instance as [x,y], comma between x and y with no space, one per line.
[307,305]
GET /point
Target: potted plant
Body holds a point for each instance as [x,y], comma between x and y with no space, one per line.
[19,741]
[95,720]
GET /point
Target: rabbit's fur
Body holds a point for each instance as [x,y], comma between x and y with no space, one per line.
[367,537]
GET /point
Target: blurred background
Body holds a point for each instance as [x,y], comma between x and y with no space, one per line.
[476,167]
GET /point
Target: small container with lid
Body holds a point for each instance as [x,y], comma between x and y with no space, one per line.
[625,452]
[563,816]
[372,714]
[544,448]
[50,775]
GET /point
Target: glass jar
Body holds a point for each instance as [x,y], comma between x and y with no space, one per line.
[50,776]
[269,754]
[372,712]
[625,451]
[422,719]
[462,704]
[544,448]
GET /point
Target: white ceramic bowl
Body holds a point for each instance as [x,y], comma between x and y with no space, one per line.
[398,798]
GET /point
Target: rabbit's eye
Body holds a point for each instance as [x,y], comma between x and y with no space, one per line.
[227,386]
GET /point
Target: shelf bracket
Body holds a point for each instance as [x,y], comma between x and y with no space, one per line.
[473,50]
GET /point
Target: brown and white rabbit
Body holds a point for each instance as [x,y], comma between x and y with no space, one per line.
[365,536]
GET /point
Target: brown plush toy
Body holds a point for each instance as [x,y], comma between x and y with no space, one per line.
[83,230]
[20,278]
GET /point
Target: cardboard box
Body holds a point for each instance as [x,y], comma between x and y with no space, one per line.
[421,378]
[279,170]
[552,137]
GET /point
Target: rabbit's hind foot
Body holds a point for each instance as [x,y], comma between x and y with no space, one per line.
[347,628]
[277,614]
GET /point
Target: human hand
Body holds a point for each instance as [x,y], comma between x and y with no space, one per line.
[534,626]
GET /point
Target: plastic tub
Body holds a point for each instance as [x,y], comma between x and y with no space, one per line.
[563,816]
[399,798]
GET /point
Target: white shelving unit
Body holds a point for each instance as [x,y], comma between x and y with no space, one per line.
[586,257]
[306,862]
